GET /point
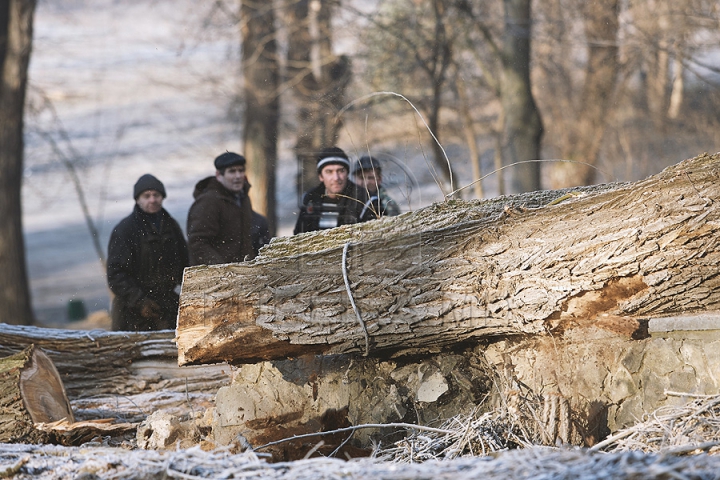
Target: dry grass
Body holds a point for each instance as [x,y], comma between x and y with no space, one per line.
[694,426]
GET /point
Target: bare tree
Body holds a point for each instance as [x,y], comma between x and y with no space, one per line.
[586,131]
[318,79]
[16,30]
[523,126]
[261,72]
[410,47]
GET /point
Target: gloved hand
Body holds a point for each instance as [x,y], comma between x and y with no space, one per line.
[149,309]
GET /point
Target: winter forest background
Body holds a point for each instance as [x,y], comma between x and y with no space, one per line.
[119,89]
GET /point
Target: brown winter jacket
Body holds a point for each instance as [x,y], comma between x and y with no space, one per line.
[218,229]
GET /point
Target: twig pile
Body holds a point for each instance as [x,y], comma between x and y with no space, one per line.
[673,429]
[513,425]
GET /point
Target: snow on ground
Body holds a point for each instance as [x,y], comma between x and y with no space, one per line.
[136,93]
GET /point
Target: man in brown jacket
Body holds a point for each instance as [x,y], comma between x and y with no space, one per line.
[219,223]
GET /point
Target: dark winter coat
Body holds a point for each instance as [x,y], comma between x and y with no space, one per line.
[260,231]
[348,205]
[145,261]
[219,230]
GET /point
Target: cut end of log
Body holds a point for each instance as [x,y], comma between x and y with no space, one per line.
[32,393]
[43,392]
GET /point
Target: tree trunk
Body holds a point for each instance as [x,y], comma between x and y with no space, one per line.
[31,392]
[601,31]
[261,71]
[437,70]
[457,272]
[318,79]
[678,88]
[16,21]
[523,127]
[470,137]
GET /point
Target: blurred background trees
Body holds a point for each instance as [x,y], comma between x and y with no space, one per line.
[594,91]
[16,29]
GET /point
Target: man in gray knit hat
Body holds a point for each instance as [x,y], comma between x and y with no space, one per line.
[147,254]
[368,175]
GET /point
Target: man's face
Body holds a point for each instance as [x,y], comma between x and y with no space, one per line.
[334,177]
[150,201]
[233,179]
[369,180]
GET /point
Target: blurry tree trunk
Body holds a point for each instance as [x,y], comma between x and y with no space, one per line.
[657,84]
[16,22]
[678,87]
[658,29]
[437,69]
[523,127]
[601,31]
[318,78]
[261,72]
[469,131]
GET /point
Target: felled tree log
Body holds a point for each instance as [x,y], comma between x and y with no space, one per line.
[34,407]
[610,255]
[31,392]
[122,375]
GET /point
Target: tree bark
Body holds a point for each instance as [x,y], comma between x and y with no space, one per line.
[523,126]
[16,21]
[261,71]
[458,271]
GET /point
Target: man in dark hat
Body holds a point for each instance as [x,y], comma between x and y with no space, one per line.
[147,254]
[336,201]
[222,227]
[368,176]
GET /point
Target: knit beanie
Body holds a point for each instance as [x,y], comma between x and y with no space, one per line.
[332,156]
[148,182]
[228,159]
[367,162]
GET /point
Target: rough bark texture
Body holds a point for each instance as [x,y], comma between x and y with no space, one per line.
[459,271]
[16,21]
[31,392]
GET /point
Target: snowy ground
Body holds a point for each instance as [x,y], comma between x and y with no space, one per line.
[136,92]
